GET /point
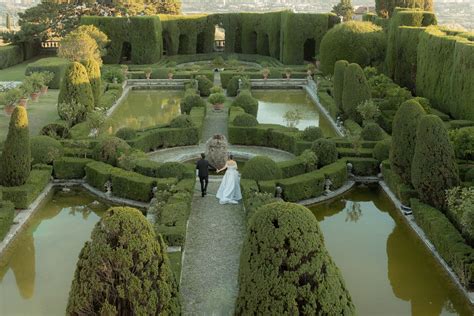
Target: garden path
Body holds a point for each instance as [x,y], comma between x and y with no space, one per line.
[215,121]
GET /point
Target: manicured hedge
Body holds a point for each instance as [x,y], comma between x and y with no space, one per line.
[364,166]
[97,174]
[70,167]
[131,185]
[154,139]
[55,65]
[10,55]
[7,214]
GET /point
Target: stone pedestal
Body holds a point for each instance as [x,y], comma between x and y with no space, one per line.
[217,151]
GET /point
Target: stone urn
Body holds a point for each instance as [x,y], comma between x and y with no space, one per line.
[217,151]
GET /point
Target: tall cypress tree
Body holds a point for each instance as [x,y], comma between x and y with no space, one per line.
[356,90]
[15,164]
[93,72]
[339,70]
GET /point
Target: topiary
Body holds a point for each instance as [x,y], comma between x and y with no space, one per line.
[404,128]
[356,90]
[372,132]
[261,168]
[385,8]
[204,85]
[124,269]
[45,150]
[217,98]
[425,104]
[463,142]
[15,163]
[382,150]
[246,102]
[233,86]
[110,149]
[190,101]
[285,268]
[326,151]
[126,133]
[182,121]
[93,72]
[312,133]
[171,170]
[245,120]
[434,169]
[59,129]
[338,88]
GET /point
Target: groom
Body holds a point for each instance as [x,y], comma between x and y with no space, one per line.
[203,172]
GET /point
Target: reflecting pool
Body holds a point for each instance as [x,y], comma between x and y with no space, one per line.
[386,268]
[145,108]
[37,271]
[273,104]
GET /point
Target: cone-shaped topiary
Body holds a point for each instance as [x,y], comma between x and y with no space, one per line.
[261,168]
[285,268]
[404,128]
[93,72]
[123,270]
[246,101]
[434,169]
[326,151]
[15,164]
[356,90]
[339,71]
[76,89]
[204,86]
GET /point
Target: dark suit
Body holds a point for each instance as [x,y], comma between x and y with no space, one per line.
[203,172]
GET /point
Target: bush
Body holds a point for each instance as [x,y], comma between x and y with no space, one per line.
[463,142]
[461,210]
[70,167]
[7,214]
[356,90]
[245,119]
[124,242]
[10,55]
[110,149]
[326,151]
[404,127]
[233,86]
[58,130]
[382,150]
[97,174]
[45,150]
[434,168]
[190,101]
[246,102]
[182,121]
[312,133]
[279,238]
[93,72]
[15,162]
[217,98]
[126,133]
[204,86]
[55,65]
[131,185]
[372,132]
[339,71]
[261,168]
[171,170]
[112,74]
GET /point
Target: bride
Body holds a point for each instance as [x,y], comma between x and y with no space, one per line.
[229,190]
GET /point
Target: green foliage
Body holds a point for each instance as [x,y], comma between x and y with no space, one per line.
[382,150]
[171,170]
[16,155]
[204,86]
[10,55]
[326,151]
[45,150]
[191,100]
[182,121]
[110,149]
[463,142]
[280,237]
[58,129]
[79,46]
[434,168]
[372,132]
[246,101]
[344,9]
[56,66]
[245,120]
[339,72]
[369,111]
[233,86]
[126,133]
[385,8]
[356,90]
[261,168]
[124,242]
[113,74]
[70,167]
[312,133]
[7,214]
[93,72]
[131,185]
[461,210]
[404,129]
[217,98]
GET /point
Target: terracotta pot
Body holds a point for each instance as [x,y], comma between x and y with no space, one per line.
[35,96]
[8,109]
[23,102]
[44,90]
[218,106]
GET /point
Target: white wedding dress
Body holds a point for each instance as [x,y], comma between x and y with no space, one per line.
[229,190]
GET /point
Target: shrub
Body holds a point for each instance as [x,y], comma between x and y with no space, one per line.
[217,89]
[112,74]
[110,149]
[312,133]
[339,70]
[10,55]
[15,163]
[190,101]
[93,72]
[245,120]
[126,133]
[233,86]
[23,195]
[261,168]
[58,129]
[55,65]
[369,111]
[404,127]
[461,210]
[131,185]
[425,104]
[204,86]
[382,150]
[70,167]
[434,168]
[182,121]
[280,237]
[124,242]
[326,151]
[217,98]
[356,90]
[7,214]
[463,142]
[372,132]
[45,149]
[171,170]
[246,101]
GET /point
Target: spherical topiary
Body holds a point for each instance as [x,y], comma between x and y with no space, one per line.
[463,142]
[356,90]
[190,101]
[246,101]
[233,86]
[354,41]
[339,71]
[372,132]
[110,149]
[45,149]
[217,98]
[204,85]
[93,72]
[126,133]
[285,268]
[58,129]
[171,170]
[434,169]
[261,168]
[404,128]
[326,151]
[245,119]
[124,270]
[382,150]
[312,133]
[182,121]
[15,163]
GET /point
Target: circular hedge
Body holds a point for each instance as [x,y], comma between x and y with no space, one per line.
[182,121]
[126,133]
[311,133]
[245,119]
[382,150]
[110,149]
[204,85]
[124,268]
[171,170]
[325,150]
[246,101]
[357,42]
[372,132]
[45,149]
[285,268]
[261,168]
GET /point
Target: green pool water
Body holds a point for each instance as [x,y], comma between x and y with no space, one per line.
[145,108]
[386,268]
[273,104]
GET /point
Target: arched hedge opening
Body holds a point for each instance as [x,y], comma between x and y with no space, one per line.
[309,49]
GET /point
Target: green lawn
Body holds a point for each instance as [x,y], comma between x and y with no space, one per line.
[17,72]
[39,114]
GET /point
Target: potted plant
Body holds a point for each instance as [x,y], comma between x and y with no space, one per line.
[35,81]
[217,100]
[9,99]
[47,78]
[265,73]
[288,73]
[170,73]
[26,89]
[148,72]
